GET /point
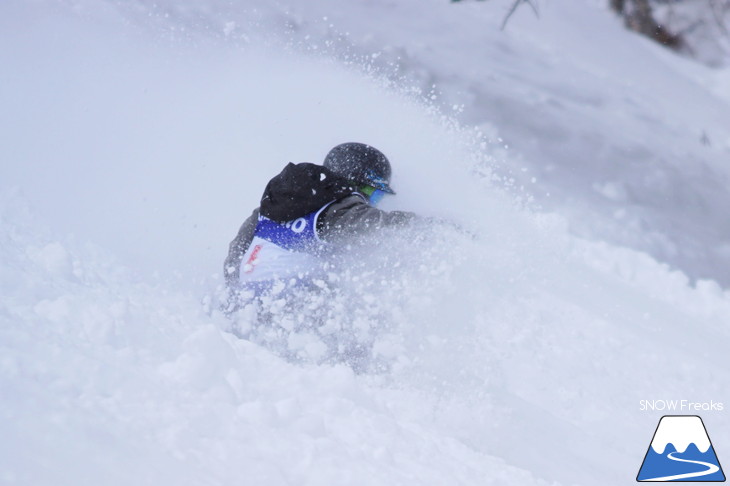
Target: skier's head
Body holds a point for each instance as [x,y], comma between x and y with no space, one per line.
[362,164]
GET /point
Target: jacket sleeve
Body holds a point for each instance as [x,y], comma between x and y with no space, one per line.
[238,248]
[352,216]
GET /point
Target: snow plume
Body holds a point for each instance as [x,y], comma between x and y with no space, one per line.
[363,309]
[114,382]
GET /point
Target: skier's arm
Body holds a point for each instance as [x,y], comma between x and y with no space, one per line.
[238,247]
[352,216]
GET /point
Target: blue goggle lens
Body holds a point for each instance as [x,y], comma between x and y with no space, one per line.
[376,196]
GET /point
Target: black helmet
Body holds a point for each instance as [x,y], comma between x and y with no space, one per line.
[360,163]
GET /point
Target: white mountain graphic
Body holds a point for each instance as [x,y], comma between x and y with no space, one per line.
[680,431]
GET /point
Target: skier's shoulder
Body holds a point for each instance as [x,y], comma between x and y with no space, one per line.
[352,205]
[353,214]
[349,201]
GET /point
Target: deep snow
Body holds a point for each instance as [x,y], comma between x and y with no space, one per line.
[625,139]
[130,154]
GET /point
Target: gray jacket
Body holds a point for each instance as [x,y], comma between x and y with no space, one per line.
[344,219]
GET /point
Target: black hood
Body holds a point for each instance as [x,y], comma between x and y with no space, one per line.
[301,189]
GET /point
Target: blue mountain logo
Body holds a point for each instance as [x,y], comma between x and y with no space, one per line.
[681,451]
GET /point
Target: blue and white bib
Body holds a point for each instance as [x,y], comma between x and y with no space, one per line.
[283,250]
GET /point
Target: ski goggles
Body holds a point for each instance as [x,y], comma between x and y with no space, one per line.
[374,195]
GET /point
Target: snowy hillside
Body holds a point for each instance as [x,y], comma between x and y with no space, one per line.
[135,139]
[598,117]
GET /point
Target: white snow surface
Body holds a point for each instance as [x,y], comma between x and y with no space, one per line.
[135,139]
[680,431]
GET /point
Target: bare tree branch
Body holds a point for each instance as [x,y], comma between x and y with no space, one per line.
[514,8]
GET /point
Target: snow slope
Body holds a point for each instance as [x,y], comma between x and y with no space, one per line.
[626,140]
[622,136]
[128,160]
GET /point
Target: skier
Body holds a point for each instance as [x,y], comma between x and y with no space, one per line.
[308,213]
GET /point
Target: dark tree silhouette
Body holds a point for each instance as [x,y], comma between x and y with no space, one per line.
[638,17]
